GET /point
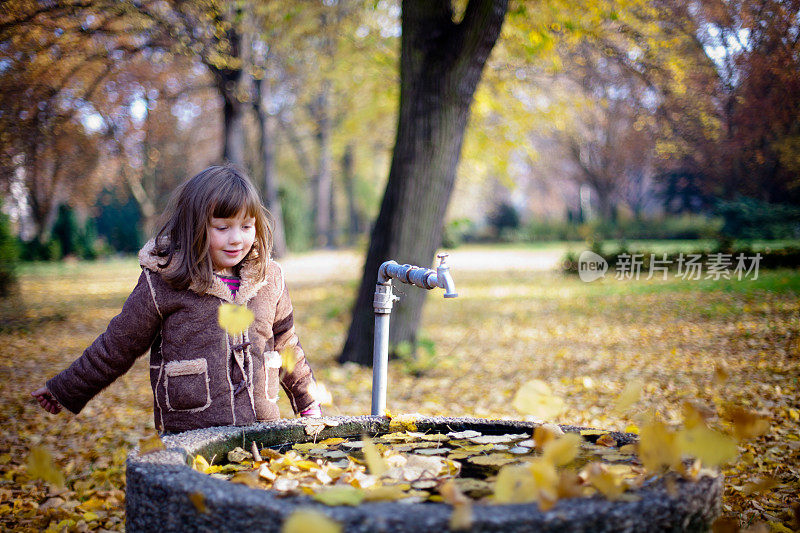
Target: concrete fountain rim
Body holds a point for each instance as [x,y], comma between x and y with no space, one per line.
[170,472]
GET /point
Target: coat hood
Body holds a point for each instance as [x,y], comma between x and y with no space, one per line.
[249,285]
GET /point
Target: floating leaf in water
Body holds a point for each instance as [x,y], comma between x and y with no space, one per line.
[606,440]
[306,520]
[150,444]
[41,465]
[239,455]
[467,434]
[341,495]
[200,464]
[432,451]
[234,318]
[265,472]
[493,459]
[535,398]
[249,478]
[386,493]
[305,447]
[497,439]
[283,484]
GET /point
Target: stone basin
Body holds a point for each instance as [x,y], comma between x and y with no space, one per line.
[159,486]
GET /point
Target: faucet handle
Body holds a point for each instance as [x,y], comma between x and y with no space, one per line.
[442,258]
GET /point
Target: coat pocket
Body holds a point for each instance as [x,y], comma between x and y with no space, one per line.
[186,385]
[272,366]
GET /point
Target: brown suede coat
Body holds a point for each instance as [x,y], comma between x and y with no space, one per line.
[201,376]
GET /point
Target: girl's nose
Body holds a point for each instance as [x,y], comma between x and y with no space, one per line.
[235,236]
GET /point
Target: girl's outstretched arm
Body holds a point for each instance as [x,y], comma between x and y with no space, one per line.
[128,336]
[47,400]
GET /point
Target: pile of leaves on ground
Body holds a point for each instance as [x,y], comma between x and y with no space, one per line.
[724,346]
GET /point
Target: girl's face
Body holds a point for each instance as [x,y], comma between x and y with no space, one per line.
[230,239]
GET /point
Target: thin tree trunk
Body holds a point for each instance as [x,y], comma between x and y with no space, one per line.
[353,219]
[323,179]
[441,64]
[267,130]
[234,147]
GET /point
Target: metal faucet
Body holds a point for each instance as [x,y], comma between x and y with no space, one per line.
[382,304]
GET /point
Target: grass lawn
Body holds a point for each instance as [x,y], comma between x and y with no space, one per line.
[509,325]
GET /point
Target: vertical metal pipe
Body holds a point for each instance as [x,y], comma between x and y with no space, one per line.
[380,363]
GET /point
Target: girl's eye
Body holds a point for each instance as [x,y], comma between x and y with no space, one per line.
[222,228]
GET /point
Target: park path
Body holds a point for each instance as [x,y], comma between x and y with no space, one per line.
[322,265]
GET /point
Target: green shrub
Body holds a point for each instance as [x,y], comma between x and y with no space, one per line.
[668,227]
[38,251]
[9,256]
[748,218]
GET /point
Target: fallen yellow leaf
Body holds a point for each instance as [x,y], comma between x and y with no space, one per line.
[198,499]
[234,318]
[375,462]
[608,483]
[341,495]
[150,444]
[658,447]
[629,396]
[288,360]
[41,465]
[563,450]
[535,398]
[200,463]
[711,447]
[309,520]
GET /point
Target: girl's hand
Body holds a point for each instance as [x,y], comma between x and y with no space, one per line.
[313,411]
[47,400]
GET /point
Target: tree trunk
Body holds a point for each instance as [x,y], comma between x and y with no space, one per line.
[323,179]
[441,63]
[273,203]
[353,218]
[234,129]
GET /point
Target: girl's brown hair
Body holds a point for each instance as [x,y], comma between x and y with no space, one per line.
[219,192]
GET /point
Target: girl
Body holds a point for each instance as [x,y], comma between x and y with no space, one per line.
[214,247]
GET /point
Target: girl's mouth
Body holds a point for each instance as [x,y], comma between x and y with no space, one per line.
[232,253]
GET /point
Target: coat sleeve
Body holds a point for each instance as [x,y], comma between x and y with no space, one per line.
[128,336]
[299,382]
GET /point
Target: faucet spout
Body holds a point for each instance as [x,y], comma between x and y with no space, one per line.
[443,277]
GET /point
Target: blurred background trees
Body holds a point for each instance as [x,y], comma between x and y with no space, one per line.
[610,119]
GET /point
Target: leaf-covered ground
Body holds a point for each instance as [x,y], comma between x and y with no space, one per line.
[587,341]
